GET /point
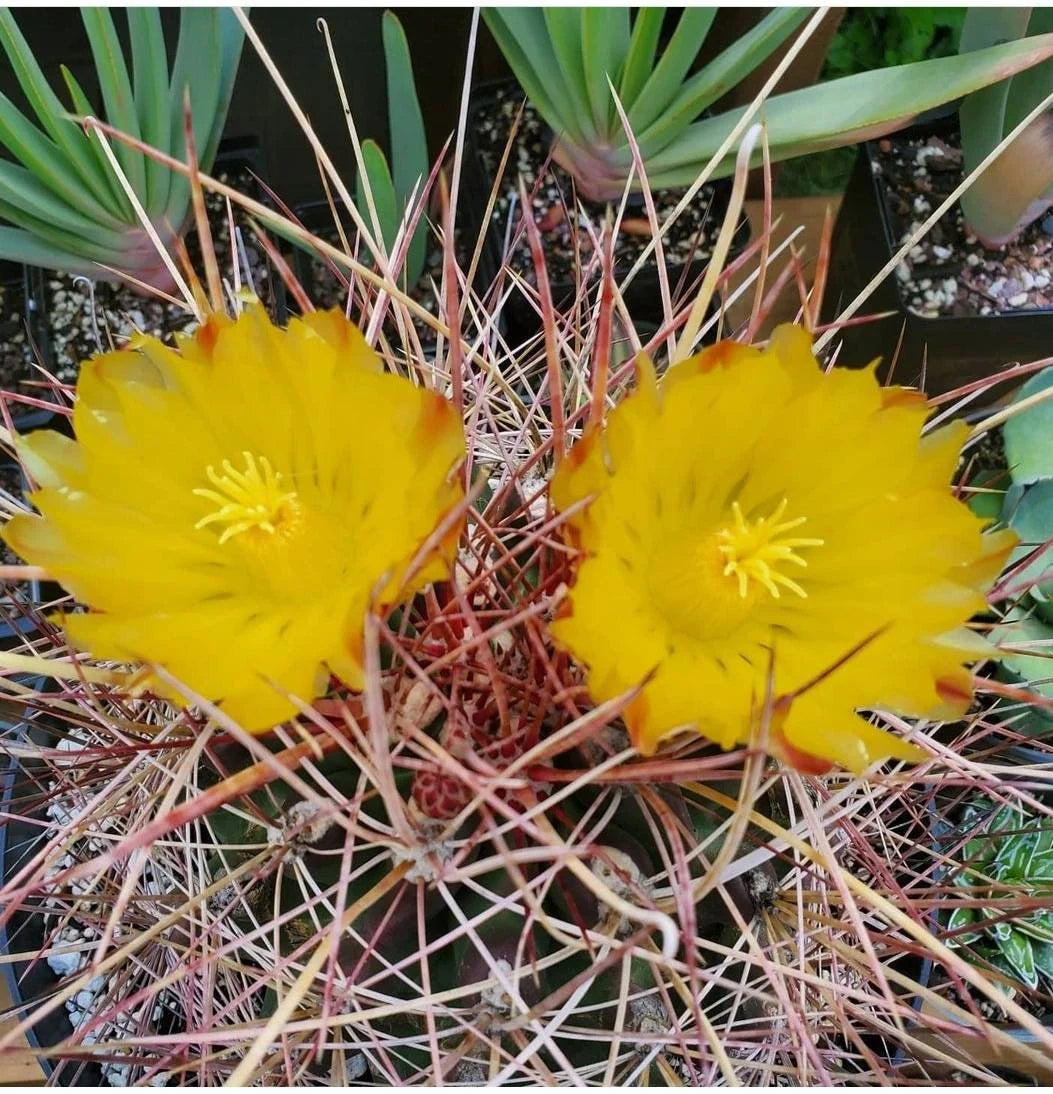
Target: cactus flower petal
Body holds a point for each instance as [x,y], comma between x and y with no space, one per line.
[231,509]
[754,514]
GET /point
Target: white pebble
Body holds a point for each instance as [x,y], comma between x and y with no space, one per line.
[63,964]
[921,205]
[1027,281]
[972,259]
[1041,279]
[1018,301]
[950,286]
[925,283]
[903,272]
[941,253]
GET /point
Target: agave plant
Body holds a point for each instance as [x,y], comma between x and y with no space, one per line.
[1018,187]
[564,57]
[1009,855]
[64,206]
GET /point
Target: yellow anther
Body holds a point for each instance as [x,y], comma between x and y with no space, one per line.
[245,500]
[754,549]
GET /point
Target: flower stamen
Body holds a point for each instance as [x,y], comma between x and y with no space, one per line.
[247,499]
[754,549]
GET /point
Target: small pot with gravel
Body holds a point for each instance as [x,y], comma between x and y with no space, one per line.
[963,308]
[621,105]
[978,288]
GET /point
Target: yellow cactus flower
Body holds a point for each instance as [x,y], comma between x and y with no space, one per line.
[230,509]
[754,517]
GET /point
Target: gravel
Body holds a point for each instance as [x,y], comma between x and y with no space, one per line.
[86,317]
[690,239]
[950,272]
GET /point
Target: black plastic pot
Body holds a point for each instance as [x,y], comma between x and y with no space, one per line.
[31,982]
[954,349]
[643,298]
[23,287]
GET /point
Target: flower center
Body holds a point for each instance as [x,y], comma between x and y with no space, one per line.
[707,585]
[246,501]
[755,549]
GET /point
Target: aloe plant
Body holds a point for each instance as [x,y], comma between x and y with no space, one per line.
[563,58]
[63,205]
[1018,187]
[1010,853]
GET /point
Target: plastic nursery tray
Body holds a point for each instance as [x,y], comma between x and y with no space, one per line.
[643,296]
[954,349]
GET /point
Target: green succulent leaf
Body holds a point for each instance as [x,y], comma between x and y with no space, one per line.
[850,109]
[52,114]
[20,190]
[19,245]
[1032,520]
[986,503]
[524,39]
[640,56]
[1043,602]
[1027,434]
[382,190]
[116,87]
[982,114]
[67,194]
[1040,870]
[83,108]
[1000,930]
[663,85]
[1024,656]
[47,161]
[1017,950]
[719,77]
[1038,925]
[88,253]
[150,75]
[1042,953]
[1016,188]
[1007,818]
[959,919]
[1014,856]
[206,62]
[409,146]
[604,42]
